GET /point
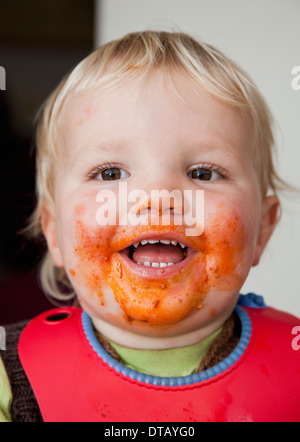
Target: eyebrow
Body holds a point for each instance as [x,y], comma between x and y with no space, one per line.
[95,147]
[103,146]
[116,146]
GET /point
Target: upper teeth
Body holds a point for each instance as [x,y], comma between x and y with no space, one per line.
[155,241]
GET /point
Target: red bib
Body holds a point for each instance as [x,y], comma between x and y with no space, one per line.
[75,380]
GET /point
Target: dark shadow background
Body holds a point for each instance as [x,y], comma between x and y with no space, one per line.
[40,41]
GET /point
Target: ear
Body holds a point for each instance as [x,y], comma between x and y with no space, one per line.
[269,215]
[50,232]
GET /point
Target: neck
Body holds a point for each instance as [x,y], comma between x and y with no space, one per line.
[129,339]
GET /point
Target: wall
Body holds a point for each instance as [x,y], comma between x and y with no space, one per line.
[39,43]
[263,36]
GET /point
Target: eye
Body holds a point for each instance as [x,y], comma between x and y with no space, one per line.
[206,173]
[108,172]
[113,173]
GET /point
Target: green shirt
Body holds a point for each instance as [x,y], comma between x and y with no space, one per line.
[166,363]
[5,395]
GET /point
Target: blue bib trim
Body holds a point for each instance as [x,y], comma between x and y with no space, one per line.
[175,381]
[252,300]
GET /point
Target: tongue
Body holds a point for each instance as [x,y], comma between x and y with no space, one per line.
[158,253]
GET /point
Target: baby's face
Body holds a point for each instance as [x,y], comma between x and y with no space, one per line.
[131,276]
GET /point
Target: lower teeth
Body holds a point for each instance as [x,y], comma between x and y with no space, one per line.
[156,264]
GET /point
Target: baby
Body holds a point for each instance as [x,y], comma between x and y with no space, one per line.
[157,193]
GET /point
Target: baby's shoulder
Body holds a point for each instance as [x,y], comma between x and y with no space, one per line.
[9,354]
[13,378]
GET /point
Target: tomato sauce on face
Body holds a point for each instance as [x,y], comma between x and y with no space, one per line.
[161,300]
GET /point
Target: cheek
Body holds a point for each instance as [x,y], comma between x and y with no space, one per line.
[224,246]
[92,253]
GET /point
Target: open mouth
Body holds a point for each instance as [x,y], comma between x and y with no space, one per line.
[157,253]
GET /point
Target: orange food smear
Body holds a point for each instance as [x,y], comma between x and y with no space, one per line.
[167,300]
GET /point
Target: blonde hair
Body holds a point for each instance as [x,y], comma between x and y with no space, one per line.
[136,53]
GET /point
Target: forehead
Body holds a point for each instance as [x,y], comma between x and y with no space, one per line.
[167,103]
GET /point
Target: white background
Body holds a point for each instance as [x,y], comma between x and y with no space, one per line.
[263,36]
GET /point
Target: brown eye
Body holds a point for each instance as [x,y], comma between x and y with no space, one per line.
[108,173]
[113,173]
[201,174]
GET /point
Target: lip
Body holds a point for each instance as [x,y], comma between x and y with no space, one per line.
[158,236]
[156,273]
[152,272]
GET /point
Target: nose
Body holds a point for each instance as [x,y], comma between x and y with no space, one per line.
[170,201]
[161,201]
